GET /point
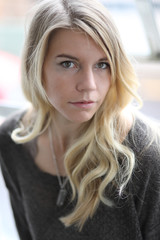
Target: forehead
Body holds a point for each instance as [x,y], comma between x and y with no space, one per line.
[73,40]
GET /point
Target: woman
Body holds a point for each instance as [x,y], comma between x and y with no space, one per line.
[79,163]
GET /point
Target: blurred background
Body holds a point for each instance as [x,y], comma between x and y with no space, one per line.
[138,22]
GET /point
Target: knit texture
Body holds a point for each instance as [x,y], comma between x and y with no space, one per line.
[33,194]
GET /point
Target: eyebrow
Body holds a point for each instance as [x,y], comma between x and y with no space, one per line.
[67,56]
[74,58]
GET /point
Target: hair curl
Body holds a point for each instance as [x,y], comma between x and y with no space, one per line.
[92,163]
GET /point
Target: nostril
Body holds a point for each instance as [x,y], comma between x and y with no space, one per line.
[86,81]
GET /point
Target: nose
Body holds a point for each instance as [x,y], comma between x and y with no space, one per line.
[86,80]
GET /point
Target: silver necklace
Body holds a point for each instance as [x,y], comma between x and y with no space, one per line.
[62,192]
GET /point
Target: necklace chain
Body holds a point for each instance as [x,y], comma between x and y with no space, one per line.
[62,184]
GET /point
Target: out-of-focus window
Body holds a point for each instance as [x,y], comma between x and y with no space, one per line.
[156,7]
[128,21]
[12,21]
[139,25]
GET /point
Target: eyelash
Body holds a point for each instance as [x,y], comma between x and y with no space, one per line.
[63,64]
[103,63]
[68,62]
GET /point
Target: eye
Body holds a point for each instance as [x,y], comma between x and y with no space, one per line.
[102,65]
[68,64]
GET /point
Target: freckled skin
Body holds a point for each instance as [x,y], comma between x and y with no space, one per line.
[76,76]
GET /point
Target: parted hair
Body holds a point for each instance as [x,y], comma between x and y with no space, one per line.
[92,162]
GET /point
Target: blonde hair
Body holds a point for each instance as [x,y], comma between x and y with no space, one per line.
[92,163]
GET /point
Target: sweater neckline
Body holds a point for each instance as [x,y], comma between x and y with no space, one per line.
[49,175]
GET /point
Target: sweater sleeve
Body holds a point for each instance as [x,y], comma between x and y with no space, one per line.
[16,203]
[145,182]
[150,211]
[147,198]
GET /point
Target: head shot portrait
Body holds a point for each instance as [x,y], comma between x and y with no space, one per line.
[80,162]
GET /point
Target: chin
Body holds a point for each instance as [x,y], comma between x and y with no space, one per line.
[81,119]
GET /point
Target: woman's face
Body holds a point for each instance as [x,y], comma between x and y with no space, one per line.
[76,75]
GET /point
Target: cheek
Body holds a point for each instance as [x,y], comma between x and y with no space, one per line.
[55,91]
[105,87]
[52,92]
[50,85]
[48,78]
[49,91]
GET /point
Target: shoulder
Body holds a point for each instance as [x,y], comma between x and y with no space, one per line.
[10,152]
[10,123]
[144,136]
[144,141]
[6,129]
[7,145]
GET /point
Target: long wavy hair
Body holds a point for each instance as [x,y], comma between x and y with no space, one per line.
[92,162]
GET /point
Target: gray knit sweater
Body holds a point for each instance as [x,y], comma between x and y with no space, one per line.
[33,194]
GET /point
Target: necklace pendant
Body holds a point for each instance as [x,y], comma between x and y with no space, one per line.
[61,197]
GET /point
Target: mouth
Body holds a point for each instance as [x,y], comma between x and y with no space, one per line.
[83,104]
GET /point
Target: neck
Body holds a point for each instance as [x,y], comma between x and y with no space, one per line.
[64,133]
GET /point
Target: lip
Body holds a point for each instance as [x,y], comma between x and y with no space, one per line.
[83,104]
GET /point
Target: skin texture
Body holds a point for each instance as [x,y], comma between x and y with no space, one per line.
[76,76]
